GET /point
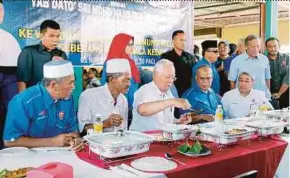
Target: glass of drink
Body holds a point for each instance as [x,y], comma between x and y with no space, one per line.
[98,124]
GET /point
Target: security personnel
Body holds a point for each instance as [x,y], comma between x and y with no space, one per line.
[32,58]
[43,115]
[210,55]
[279,67]
[202,97]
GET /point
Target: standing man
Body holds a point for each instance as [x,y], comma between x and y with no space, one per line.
[32,58]
[92,78]
[224,57]
[254,63]
[210,55]
[279,66]
[9,51]
[241,46]
[182,61]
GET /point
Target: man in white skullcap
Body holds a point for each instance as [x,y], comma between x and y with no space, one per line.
[44,115]
[108,101]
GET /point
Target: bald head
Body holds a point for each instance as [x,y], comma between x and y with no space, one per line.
[204,77]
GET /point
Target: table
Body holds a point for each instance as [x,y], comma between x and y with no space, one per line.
[263,156]
[284,166]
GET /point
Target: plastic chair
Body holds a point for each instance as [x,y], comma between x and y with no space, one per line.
[249,174]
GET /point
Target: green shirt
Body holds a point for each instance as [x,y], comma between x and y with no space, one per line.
[279,71]
[31,61]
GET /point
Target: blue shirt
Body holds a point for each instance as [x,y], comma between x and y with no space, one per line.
[34,113]
[258,67]
[216,78]
[228,61]
[132,89]
[198,99]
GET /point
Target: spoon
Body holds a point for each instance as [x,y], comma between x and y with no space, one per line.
[170,157]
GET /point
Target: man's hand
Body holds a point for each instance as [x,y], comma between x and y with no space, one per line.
[61,140]
[207,117]
[181,103]
[113,120]
[184,119]
[76,144]
[276,95]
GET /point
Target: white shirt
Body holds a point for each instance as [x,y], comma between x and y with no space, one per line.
[9,49]
[100,101]
[150,93]
[235,105]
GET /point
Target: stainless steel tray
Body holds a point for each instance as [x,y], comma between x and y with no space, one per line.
[209,134]
[114,145]
[174,132]
[267,127]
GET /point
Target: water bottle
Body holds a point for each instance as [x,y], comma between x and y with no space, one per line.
[263,106]
[98,124]
[219,120]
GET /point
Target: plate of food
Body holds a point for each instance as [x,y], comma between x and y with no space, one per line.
[17,173]
[195,150]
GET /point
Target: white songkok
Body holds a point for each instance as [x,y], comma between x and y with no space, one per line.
[57,69]
[118,66]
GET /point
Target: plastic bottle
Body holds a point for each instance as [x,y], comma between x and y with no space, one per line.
[219,120]
[98,124]
[263,106]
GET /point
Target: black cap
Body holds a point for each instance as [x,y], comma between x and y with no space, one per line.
[208,44]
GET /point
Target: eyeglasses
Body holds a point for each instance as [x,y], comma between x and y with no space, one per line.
[213,51]
[171,78]
[203,79]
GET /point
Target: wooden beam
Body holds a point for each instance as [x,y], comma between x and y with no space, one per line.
[208,31]
[262,25]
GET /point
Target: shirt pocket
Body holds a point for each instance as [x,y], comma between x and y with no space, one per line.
[38,126]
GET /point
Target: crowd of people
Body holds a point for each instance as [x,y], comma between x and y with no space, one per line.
[238,77]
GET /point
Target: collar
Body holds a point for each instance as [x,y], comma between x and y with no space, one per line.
[48,100]
[238,91]
[248,57]
[279,55]
[206,61]
[43,48]
[197,88]
[110,95]
[183,53]
[162,94]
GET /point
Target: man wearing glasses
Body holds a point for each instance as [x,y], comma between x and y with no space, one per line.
[238,102]
[202,97]
[154,103]
[210,55]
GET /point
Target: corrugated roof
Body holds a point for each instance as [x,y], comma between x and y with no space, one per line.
[223,13]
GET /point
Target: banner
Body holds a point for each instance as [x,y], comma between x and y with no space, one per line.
[88,27]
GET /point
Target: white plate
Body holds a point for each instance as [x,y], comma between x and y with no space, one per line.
[14,151]
[195,155]
[154,164]
[48,149]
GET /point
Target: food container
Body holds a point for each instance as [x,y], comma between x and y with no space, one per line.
[280,114]
[175,132]
[228,137]
[118,144]
[267,127]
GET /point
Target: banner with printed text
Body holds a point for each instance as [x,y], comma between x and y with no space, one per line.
[88,27]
